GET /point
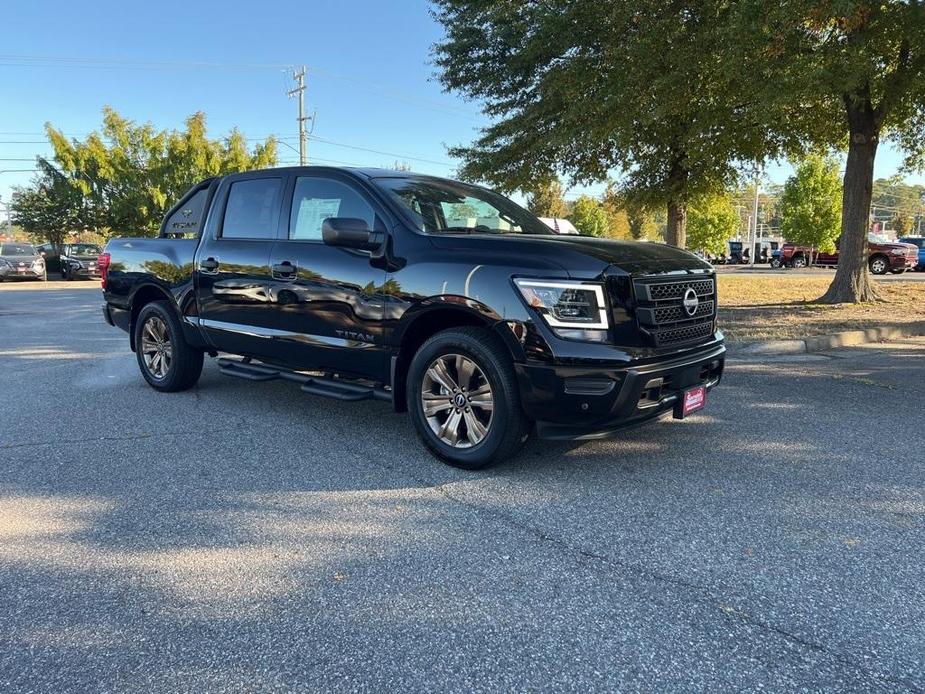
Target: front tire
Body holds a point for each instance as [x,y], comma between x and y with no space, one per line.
[463,398]
[798,263]
[879,265]
[165,359]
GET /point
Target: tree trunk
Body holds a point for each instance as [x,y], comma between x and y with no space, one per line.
[852,283]
[676,234]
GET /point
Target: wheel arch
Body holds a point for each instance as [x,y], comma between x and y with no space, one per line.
[426,323]
[141,297]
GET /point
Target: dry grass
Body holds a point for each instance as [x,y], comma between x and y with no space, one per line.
[783,306]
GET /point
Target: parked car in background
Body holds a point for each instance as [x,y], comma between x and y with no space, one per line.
[918,242]
[21,261]
[559,225]
[883,256]
[79,261]
[383,285]
[736,253]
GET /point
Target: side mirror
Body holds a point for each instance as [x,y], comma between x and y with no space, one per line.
[349,232]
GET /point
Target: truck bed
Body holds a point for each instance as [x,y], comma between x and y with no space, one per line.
[168,261]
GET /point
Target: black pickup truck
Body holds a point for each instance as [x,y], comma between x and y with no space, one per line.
[445,299]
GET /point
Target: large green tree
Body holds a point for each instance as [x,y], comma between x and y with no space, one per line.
[898,203]
[842,74]
[712,222]
[546,199]
[810,204]
[128,174]
[589,217]
[584,87]
[48,209]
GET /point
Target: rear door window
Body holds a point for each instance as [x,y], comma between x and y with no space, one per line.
[252,210]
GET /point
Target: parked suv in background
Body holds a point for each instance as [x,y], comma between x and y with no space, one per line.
[883,256]
[918,242]
[445,299]
[20,261]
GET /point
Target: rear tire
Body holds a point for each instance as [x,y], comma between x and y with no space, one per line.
[474,417]
[165,359]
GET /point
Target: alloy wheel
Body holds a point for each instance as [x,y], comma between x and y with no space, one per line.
[457,400]
[878,266]
[155,347]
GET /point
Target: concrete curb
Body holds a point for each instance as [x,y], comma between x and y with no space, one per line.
[822,343]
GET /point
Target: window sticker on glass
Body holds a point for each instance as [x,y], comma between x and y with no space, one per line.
[312,213]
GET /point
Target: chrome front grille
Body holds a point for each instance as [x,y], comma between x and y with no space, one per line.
[667,313]
[676,312]
[665,291]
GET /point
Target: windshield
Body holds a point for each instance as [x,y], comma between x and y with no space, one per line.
[84,249]
[877,238]
[17,249]
[444,206]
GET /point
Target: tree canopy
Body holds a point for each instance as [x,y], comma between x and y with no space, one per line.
[545,199]
[810,205]
[48,209]
[586,87]
[712,222]
[589,217]
[898,204]
[128,175]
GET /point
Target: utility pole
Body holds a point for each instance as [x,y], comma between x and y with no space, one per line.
[754,226]
[299,91]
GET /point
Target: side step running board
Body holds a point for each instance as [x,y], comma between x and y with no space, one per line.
[316,385]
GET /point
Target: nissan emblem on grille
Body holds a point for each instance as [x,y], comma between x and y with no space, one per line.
[691,302]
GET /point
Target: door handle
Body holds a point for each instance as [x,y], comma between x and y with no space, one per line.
[284,270]
[208,265]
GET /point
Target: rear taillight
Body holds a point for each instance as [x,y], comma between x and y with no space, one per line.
[102,262]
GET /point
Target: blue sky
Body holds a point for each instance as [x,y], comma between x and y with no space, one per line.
[370,78]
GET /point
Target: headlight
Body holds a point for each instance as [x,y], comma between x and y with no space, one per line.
[77,265]
[898,251]
[574,310]
[5,264]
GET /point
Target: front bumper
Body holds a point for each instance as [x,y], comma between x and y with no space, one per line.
[903,262]
[590,402]
[15,273]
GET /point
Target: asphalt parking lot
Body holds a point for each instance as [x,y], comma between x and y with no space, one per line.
[247,537]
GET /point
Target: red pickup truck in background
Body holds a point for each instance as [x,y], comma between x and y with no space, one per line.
[883,256]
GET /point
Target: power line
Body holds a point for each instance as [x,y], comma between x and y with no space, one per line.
[387,91]
[379,151]
[127,63]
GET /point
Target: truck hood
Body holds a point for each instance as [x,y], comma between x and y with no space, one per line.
[890,246]
[580,256]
